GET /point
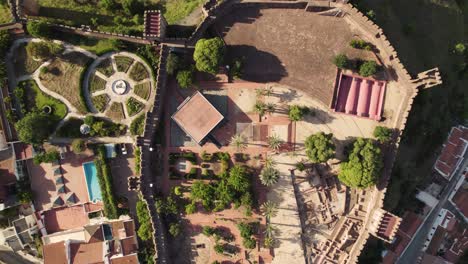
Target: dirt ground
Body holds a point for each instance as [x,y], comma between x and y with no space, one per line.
[288,46]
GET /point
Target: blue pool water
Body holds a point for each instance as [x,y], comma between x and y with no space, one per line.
[94,191]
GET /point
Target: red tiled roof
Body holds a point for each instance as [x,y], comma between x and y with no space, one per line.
[81,253]
[436,240]
[55,253]
[129,245]
[452,151]
[410,223]
[129,228]
[153,23]
[65,218]
[359,96]
[461,200]
[389,258]
[197,116]
[7,177]
[130,259]
[23,151]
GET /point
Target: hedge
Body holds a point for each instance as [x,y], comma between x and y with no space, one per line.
[105,183]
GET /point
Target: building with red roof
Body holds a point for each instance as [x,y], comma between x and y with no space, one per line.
[459,196]
[155,25]
[197,117]
[356,95]
[453,151]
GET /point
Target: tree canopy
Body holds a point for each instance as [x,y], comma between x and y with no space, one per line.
[34,128]
[38,29]
[238,178]
[363,166]
[208,55]
[43,50]
[368,68]
[296,113]
[172,64]
[185,78]
[341,61]
[383,134]
[78,145]
[320,147]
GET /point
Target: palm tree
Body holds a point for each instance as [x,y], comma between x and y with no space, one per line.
[239,142]
[270,108]
[269,242]
[269,209]
[274,142]
[269,176]
[260,107]
[269,162]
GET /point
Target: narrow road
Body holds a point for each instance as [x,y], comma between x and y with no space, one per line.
[413,250]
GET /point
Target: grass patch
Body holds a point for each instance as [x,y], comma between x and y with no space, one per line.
[100,102]
[123,63]
[138,72]
[59,109]
[116,111]
[24,64]
[5,13]
[143,90]
[106,68]
[176,10]
[63,77]
[134,106]
[137,126]
[96,84]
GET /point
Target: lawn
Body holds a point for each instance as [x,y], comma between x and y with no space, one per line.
[106,68]
[134,106]
[5,13]
[123,63]
[116,111]
[138,72]
[143,90]
[23,63]
[63,77]
[175,10]
[59,109]
[100,102]
[96,84]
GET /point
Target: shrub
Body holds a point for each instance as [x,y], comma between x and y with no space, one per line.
[368,68]
[296,113]
[249,243]
[300,166]
[360,44]
[341,61]
[236,70]
[172,64]
[460,48]
[174,229]
[105,183]
[218,248]
[38,29]
[137,126]
[206,156]
[208,231]
[383,134]
[78,145]
[34,128]
[43,50]
[185,78]
[190,156]
[190,208]
[145,229]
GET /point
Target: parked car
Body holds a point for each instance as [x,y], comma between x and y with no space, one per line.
[123,149]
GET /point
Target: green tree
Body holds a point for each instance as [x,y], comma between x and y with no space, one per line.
[174,229]
[249,243]
[34,128]
[144,232]
[364,165]
[296,113]
[239,142]
[238,178]
[208,55]
[274,142]
[383,134]
[341,61]
[368,68]
[320,147]
[109,4]
[38,29]
[190,208]
[78,145]
[185,78]
[132,7]
[172,64]
[460,48]
[205,193]
[218,248]
[269,176]
[208,231]
[5,42]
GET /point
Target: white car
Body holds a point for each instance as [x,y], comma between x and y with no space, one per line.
[123,149]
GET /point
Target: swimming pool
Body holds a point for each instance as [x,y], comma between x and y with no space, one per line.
[94,191]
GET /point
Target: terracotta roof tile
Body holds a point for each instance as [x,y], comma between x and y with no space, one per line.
[55,253]
[130,259]
[81,253]
[461,200]
[65,218]
[129,245]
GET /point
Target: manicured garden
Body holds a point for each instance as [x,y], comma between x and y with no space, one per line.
[105,67]
[138,72]
[100,102]
[134,106]
[123,63]
[96,84]
[143,90]
[116,111]
[63,77]
[24,64]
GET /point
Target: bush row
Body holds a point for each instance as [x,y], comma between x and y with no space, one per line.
[105,183]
